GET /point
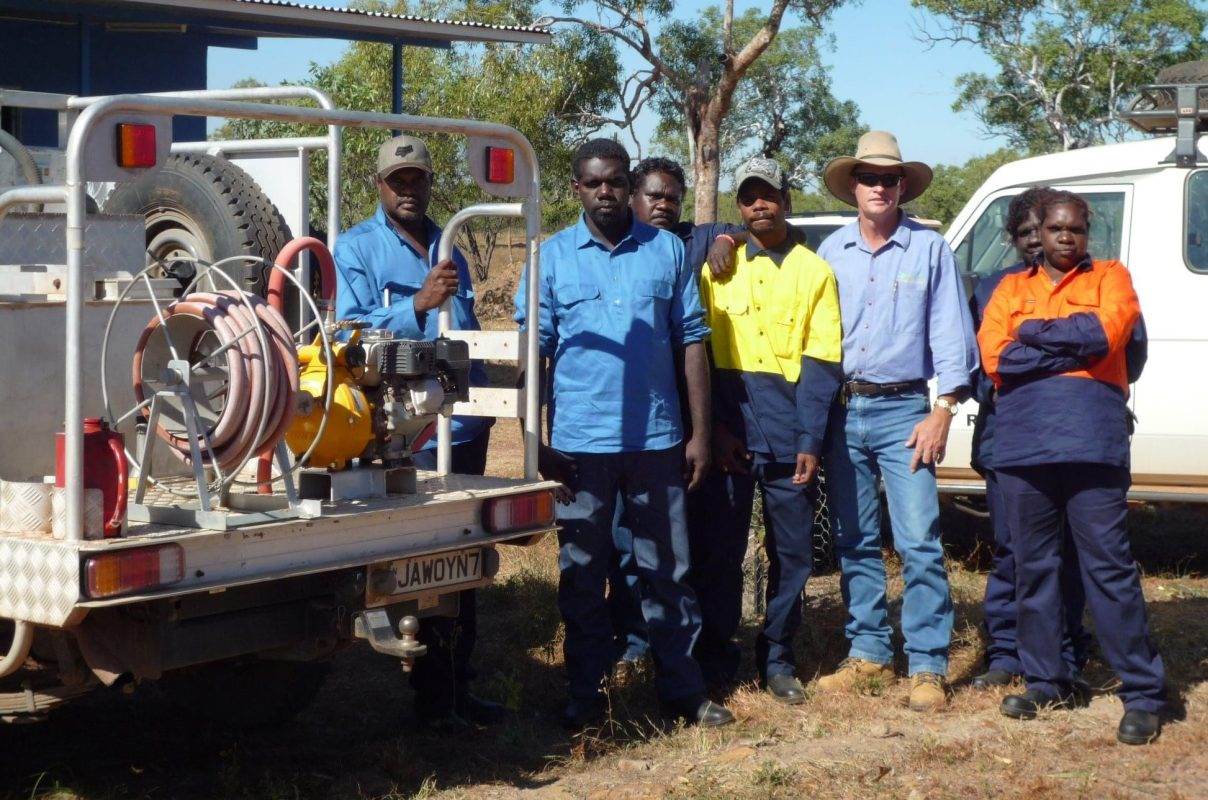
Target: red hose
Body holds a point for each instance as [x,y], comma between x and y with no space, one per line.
[276,299]
[262,386]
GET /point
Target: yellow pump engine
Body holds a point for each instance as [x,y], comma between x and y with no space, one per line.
[386,392]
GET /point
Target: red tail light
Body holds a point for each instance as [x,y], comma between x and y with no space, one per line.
[501,165]
[135,145]
[519,512]
[136,569]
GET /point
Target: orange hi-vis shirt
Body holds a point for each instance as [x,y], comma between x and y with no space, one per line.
[1056,353]
[1102,288]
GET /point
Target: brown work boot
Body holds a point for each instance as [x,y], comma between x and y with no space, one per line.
[927,692]
[857,675]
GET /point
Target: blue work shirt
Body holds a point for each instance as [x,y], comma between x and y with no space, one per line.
[905,314]
[372,257]
[609,322]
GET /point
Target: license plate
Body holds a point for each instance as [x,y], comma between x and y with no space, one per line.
[420,574]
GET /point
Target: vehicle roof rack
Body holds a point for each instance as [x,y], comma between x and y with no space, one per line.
[1178,108]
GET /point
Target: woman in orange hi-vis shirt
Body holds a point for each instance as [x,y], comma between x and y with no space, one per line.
[1053,341]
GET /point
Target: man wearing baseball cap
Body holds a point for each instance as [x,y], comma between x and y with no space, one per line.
[776,352]
[906,320]
[387,278]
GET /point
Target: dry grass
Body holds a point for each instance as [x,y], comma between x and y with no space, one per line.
[359,740]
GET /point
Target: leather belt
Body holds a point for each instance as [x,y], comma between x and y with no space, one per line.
[866,389]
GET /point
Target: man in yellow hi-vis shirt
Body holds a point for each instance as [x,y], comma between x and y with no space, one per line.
[776,356]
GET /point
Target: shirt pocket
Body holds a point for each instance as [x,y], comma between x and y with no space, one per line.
[909,303]
[731,302]
[784,333]
[1083,297]
[576,307]
[1022,308]
[652,301]
[569,295]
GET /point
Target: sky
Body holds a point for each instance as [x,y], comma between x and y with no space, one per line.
[877,60]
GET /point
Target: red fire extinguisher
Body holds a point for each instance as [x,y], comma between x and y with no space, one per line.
[105,468]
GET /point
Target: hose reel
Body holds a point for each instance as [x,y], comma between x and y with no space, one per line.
[215,380]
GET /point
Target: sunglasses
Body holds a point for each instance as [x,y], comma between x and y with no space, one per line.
[877,179]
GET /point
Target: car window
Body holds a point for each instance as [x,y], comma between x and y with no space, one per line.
[987,249]
[815,234]
[1197,221]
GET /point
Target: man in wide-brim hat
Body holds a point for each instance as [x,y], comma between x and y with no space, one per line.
[905,321]
[876,152]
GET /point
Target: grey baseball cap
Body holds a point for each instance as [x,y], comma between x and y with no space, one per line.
[400,152]
[765,169]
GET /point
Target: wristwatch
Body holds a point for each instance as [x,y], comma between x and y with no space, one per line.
[946,404]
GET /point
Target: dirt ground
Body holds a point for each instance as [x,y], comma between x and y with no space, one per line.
[360,738]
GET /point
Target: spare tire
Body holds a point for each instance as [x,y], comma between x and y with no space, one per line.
[1187,72]
[206,208]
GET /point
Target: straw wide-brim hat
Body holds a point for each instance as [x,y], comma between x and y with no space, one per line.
[878,149]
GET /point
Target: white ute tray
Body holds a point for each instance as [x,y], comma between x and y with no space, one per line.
[40,577]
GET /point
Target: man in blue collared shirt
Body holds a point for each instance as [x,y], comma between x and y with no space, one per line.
[905,320]
[616,303]
[386,278]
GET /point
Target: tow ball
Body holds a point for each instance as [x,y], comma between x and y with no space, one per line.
[374,626]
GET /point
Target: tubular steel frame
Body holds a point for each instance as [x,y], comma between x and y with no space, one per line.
[96,110]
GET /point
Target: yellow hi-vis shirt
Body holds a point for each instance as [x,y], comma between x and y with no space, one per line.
[765,317]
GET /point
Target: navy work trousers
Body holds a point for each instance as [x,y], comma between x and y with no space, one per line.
[1000,606]
[444,671]
[650,486]
[1093,500]
[719,534]
[624,599]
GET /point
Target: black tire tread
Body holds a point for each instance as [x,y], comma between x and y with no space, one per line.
[262,230]
[246,695]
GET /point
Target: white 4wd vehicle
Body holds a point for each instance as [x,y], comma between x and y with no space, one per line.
[1149,201]
[236,598]
[818,225]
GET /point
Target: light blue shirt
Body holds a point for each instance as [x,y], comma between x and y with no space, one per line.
[905,314]
[609,321]
[372,257]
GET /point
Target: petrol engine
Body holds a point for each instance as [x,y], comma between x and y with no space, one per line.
[386,394]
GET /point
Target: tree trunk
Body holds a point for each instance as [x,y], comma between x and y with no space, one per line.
[706,166]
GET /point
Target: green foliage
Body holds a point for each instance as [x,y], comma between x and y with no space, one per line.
[1064,66]
[553,94]
[953,185]
[783,107]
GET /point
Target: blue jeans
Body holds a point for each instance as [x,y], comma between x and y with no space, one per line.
[651,488]
[866,439]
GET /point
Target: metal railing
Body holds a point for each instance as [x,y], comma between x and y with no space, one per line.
[96,110]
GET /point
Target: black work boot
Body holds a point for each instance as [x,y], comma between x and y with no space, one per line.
[1029,704]
[698,710]
[786,688]
[993,678]
[1139,727]
[584,712]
